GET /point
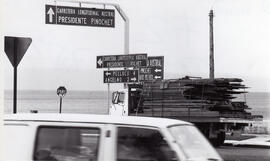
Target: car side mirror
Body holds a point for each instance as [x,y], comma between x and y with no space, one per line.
[115,99]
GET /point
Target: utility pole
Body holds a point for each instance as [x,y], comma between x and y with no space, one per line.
[211,42]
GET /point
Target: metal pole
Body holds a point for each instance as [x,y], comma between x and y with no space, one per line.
[60,109]
[126,43]
[162,108]
[15,78]
[211,42]
[188,114]
[126,33]
[15,90]
[108,98]
[108,110]
[127,37]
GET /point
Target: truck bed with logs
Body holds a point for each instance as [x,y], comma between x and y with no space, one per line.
[207,103]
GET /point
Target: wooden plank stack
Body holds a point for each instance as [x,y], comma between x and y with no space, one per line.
[193,97]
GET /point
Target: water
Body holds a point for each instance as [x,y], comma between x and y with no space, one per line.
[259,102]
[96,102]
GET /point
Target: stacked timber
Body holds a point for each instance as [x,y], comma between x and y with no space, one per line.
[187,96]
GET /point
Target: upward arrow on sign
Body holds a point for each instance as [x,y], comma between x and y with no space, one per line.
[15,48]
[50,13]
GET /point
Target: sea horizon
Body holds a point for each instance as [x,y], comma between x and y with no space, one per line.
[96,101]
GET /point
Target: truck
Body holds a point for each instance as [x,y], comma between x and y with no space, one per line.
[210,104]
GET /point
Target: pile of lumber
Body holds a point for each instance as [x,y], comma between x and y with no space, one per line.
[186,95]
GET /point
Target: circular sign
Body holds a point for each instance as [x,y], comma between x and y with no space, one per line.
[61,91]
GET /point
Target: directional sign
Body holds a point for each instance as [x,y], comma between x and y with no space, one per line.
[119,61]
[15,48]
[154,69]
[120,76]
[66,15]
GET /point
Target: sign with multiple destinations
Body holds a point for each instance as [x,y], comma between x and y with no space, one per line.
[120,76]
[150,68]
[154,69]
[122,61]
[66,15]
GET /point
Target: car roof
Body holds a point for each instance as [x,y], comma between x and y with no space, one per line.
[89,118]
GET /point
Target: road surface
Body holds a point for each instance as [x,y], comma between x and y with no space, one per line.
[230,153]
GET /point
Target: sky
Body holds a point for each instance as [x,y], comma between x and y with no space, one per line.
[176,29]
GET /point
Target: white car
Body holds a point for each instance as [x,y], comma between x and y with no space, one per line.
[84,137]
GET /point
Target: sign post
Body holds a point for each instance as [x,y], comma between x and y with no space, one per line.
[15,48]
[108,96]
[61,92]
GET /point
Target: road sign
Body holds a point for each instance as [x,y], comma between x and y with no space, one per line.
[80,16]
[15,48]
[120,61]
[154,69]
[120,76]
[61,92]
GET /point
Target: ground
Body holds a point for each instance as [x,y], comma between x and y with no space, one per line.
[230,153]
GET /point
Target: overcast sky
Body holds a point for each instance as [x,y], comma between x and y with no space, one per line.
[176,29]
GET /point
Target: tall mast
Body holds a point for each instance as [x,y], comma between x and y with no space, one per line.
[211,42]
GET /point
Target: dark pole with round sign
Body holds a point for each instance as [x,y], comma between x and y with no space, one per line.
[61,92]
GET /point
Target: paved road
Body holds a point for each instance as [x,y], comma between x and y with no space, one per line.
[230,153]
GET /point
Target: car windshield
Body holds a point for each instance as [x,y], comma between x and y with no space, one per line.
[192,142]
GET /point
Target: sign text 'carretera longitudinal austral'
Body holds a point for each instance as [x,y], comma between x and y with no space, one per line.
[66,15]
[120,61]
[120,76]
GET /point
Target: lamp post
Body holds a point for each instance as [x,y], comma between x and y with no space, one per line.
[61,92]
